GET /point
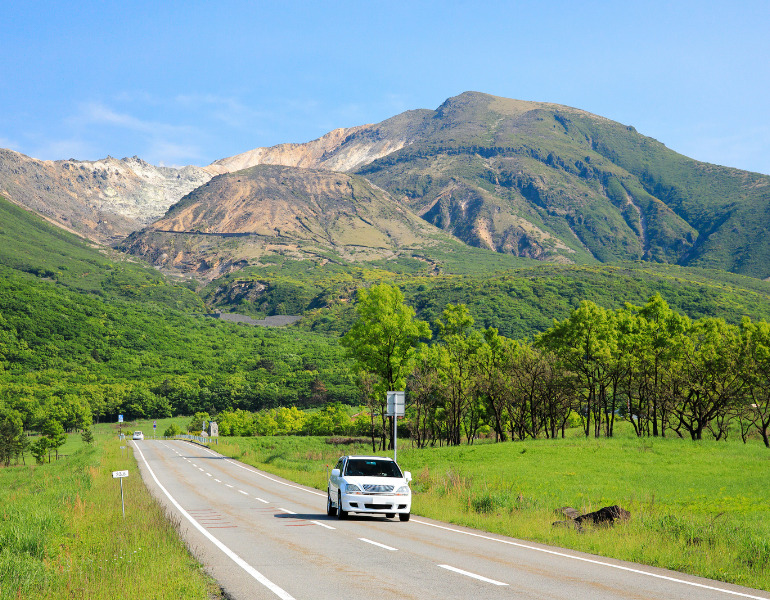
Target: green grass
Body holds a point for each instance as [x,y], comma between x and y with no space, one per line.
[63,535]
[699,508]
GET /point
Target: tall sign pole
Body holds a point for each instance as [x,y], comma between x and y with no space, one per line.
[395,410]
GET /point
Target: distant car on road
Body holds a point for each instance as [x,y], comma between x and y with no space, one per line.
[368,484]
[138,435]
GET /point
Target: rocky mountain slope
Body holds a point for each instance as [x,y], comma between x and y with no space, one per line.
[305,213]
[102,200]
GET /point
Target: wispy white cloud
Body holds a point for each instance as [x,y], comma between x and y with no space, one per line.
[226,109]
[97,113]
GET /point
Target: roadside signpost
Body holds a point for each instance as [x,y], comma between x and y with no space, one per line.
[120,475]
[396,402]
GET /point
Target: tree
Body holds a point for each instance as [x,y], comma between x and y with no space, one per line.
[87,436]
[654,337]
[496,357]
[586,343]
[198,422]
[11,436]
[458,366]
[171,431]
[382,340]
[709,378]
[756,341]
[53,431]
[39,449]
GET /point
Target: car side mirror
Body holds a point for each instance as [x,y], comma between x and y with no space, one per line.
[335,472]
[407,476]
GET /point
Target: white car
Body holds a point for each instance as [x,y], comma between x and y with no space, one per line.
[138,435]
[368,484]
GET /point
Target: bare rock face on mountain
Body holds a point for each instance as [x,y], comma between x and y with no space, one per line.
[239,217]
[102,200]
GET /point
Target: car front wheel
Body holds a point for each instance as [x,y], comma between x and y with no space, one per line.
[403,516]
[331,510]
[341,514]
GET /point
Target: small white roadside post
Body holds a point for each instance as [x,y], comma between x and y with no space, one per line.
[395,410]
[120,475]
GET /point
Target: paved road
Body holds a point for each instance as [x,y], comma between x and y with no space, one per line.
[264,537]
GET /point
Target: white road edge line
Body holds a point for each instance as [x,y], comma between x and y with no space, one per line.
[595,562]
[324,525]
[288,512]
[278,591]
[373,543]
[536,549]
[468,574]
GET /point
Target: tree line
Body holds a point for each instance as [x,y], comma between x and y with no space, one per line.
[649,365]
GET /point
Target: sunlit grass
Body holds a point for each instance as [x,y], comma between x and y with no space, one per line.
[63,534]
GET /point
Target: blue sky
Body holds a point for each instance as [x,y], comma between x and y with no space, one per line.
[190,82]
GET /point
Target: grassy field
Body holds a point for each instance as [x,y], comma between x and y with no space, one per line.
[698,508]
[63,534]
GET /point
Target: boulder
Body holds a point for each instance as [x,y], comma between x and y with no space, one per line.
[605,516]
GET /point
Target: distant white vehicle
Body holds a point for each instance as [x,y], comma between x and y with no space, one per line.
[138,435]
[368,484]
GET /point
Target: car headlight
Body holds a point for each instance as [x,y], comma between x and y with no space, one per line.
[351,488]
[403,491]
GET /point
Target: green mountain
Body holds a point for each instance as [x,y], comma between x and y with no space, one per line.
[560,184]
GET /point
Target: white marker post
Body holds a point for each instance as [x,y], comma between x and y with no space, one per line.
[120,475]
[395,410]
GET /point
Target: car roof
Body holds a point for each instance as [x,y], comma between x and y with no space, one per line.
[365,457]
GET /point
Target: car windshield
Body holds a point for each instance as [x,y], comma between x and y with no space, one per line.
[361,467]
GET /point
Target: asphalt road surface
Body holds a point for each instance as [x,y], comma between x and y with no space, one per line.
[261,536]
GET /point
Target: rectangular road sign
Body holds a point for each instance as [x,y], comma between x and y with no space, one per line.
[395,404]
[117,474]
[120,418]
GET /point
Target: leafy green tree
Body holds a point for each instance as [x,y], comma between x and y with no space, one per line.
[586,343]
[171,431]
[198,421]
[289,420]
[458,363]
[383,338]
[39,448]
[654,336]
[237,422]
[53,431]
[87,436]
[709,378]
[11,436]
[756,341]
